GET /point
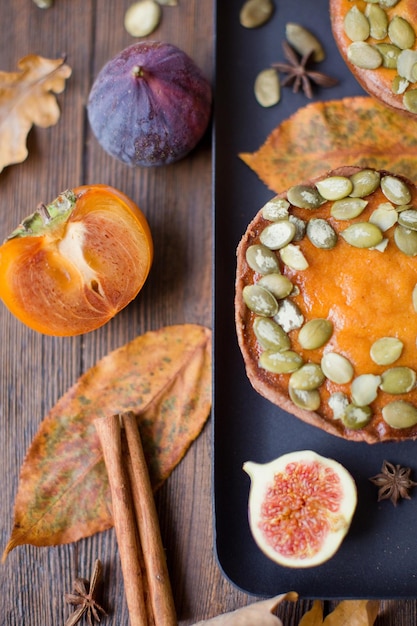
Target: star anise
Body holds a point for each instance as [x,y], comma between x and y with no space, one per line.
[299,74]
[83,596]
[393,482]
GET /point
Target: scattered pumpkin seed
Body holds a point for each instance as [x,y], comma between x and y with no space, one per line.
[315,333]
[337,368]
[260,300]
[334,187]
[278,234]
[356,25]
[406,240]
[400,414]
[321,234]
[410,99]
[386,350]
[363,55]
[338,402]
[414,298]
[399,85]
[255,13]
[348,208]
[305,197]
[289,316]
[300,227]
[389,53]
[406,63]
[293,257]
[306,400]
[142,18]
[279,285]
[267,88]
[284,362]
[395,190]
[378,21]
[308,377]
[384,216]
[261,259]
[401,32]
[304,42]
[362,235]
[276,209]
[364,183]
[356,417]
[364,389]
[408,219]
[398,380]
[270,335]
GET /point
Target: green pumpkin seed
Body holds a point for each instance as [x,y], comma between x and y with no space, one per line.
[315,333]
[364,389]
[270,335]
[277,235]
[406,64]
[308,377]
[142,18]
[398,380]
[279,285]
[334,187]
[364,183]
[410,99]
[293,257]
[414,298]
[356,417]
[276,209]
[363,55]
[406,240]
[304,42]
[267,88]
[395,190]
[400,414]
[384,216]
[305,197]
[401,32]
[356,25]
[399,85]
[261,259]
[386,350]
[255,13]
[408,219]
[260,300]
[284,362]
[378,21]
[289,316]
[389,53]
[300,227]
[337,368]
[321,234]
[387,4]
[307,400]
[338,402]
[348,208]
[362,235]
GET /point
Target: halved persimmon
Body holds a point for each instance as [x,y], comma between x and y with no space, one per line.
[73,264]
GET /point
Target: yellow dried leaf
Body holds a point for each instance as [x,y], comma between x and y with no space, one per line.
[313,617]
[256,614]
[353,613]
[27,98]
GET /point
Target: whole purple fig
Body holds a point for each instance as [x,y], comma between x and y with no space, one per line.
[149,105]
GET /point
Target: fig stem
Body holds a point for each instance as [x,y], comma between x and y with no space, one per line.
[137,71]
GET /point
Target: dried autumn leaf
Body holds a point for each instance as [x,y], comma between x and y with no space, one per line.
[325,135]
[256,614]
[313,617]
[27,98]
[353,613]
[164,377]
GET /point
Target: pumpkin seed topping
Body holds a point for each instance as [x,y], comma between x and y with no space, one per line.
[279,285]
[303,41]
[387,4]
[278,234]
[284,362]
[255,13]
[276,209]
[362,235]
[401,32]
[398,380]
[389,53]
[414,298]
[307,400]
[315,333]
[356,417]
[400,414]
[337,368]
[321,234]
[300,227]
[406,64]
[305,197]
[348,208]
[364,56]
[356,25]
[334,187]
[308,377]
[364,183]
[395,190]
[378,21]
[399,84]
[364,389]
[410,97]
[292,256]
[289,316]
[338,402]
[384,216]
[261,259]
[408,219]
[386,350]
[270,335]
[260,300]
[267,88]
[406,240]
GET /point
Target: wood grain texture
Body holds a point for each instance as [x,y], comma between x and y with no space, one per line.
[35,370]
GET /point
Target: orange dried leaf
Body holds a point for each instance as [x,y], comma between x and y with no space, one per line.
[255,614]
[353,613]
[325,135]
[27,98]
[164,377]
[313,617]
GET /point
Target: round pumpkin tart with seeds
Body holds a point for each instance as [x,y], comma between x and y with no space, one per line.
[326,303]
[378,41]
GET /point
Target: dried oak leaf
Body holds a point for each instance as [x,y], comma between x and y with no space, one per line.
[325,135]
[164,377]
[346,613]
[27,98]
[255,614]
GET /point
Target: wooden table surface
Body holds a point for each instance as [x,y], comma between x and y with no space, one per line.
[36,370]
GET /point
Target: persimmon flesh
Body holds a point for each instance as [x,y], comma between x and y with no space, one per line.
[74,264]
